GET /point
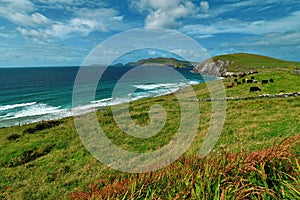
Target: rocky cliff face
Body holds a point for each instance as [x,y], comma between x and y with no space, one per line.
[209,67]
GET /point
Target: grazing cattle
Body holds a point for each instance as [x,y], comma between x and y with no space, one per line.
[235,80]
[252,77]
[255,81]
[254,89]
[271,80]
[239,83]
[243,81]
[264,81]
[249,81]
[230,85]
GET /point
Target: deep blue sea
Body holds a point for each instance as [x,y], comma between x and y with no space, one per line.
[29,95]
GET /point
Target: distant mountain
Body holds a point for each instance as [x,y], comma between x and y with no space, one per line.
[239,62]
[171,62]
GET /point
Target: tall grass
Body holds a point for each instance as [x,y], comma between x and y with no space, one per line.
[272,173]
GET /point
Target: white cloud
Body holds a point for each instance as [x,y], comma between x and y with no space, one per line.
[76,25]
[35,35]
[288,23]
[86,21]
[61,30]
[66,2]
[24,5]
[162,13]
[96,13]
[18,12]
[236,6]
[204,6]
[26,14]
[83,21]
[276,39]
[35,19]
[190,54]
[278,45]
[118,18]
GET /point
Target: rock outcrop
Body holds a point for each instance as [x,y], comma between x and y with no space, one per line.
[209,67]
[297,71]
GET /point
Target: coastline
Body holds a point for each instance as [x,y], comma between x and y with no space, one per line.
[54,101]
[95,106]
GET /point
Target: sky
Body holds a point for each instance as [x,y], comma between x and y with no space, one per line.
[63,32]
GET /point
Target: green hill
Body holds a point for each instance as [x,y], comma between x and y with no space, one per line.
[282,72]
[172,62]
[245,61]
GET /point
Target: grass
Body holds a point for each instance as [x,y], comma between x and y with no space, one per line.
[247,62]
[263,174]
[256,157]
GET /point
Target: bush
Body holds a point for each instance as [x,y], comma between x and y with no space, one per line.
[30,155]
[13,137]
[42,126]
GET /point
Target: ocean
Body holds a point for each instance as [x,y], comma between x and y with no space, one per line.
[30,95]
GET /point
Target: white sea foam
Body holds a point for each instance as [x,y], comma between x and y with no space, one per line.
[155,90]
[9,107]
[153,86]
[194,82]
[102,100]
[6,116]
[37,109]
[35,112]
[94,105]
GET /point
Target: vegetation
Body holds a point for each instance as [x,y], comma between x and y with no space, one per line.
[41,126]
[256,157]
[13,136]
[247,62]
[172,62]
[263,174]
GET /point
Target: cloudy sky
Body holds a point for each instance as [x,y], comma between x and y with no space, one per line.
[63,32]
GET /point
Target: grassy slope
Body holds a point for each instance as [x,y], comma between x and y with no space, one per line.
[244,61]
[56,162]
[281,71]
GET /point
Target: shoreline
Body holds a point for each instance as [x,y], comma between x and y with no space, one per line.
[101,108]
[94,107]
[13,117]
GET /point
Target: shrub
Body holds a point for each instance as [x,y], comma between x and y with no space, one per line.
[13,137]
[42,126]
[30,155]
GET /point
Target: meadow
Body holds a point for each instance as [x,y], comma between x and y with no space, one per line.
[256,156]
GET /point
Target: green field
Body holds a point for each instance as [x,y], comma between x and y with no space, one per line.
[256,156]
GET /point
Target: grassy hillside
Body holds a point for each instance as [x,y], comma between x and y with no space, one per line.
[48,160]
[246,62]
[282,72]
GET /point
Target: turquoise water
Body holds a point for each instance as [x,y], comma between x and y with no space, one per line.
[34,94]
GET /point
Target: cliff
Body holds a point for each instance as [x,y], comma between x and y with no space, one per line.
[209,67]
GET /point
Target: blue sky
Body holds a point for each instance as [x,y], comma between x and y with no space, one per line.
[63,32]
